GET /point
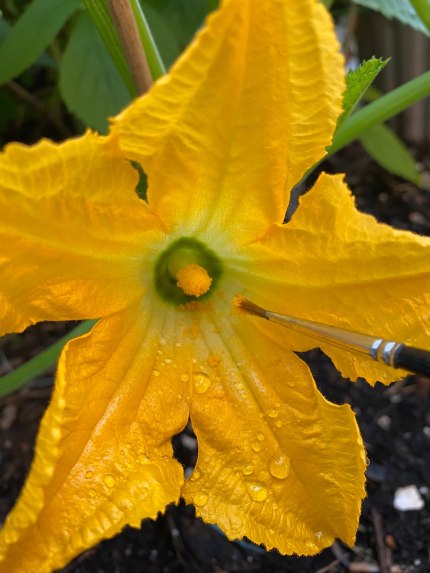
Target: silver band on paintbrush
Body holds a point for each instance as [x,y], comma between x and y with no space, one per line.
[390,352]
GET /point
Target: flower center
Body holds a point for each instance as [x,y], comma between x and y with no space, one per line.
[193,280]
[186,270]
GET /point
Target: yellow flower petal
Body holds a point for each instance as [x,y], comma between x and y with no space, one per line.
[72,229]
[277,462]
[248,108]
[333,264]
[103,455]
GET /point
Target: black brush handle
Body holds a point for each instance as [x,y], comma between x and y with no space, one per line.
[412,359]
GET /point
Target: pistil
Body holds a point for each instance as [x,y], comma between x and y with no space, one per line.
[194,280]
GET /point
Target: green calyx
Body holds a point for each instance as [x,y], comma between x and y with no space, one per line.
[183,252]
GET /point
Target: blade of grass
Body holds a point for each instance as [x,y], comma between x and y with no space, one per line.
[155,62]
[40,363]
[99,13]
[380,110]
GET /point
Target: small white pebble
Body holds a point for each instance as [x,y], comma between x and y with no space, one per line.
[384,422]
[189,442]
[187,472]
[424,490]
[408,499]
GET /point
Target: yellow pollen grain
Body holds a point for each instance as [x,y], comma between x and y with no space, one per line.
[193,280]
[213,360]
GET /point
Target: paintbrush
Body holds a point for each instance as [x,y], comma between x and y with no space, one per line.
[390,352]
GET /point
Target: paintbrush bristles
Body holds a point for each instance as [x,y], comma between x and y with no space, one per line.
[245,305]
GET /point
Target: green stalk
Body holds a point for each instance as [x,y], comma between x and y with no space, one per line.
[100,15]
[380,110]
[40,363]
[153,56]
[422,8]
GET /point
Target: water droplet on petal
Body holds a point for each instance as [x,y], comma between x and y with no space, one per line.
[155,373]
[89,474]
[168,361]
[247,470]
[202,382]
[109,480]
[318,534]
[200,499]
[55,433]
[272,413]
[257,492]
[195,475]
[291,383]
[256,446]
[184,377]
[92,493]
[278,424]
[280,467]
[260,437]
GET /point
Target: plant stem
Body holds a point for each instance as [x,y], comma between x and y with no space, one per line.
[380,110]
[101,17]
[128,33]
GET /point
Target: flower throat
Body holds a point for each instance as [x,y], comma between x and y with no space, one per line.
[185,271]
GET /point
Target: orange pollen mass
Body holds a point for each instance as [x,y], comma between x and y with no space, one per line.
[194,280]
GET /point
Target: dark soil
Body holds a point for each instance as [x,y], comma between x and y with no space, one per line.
[395,423]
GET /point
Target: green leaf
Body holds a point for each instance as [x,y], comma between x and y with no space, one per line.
[390,152]
[100,15]
[40,363]
[4,29]
[90,83]
[400,9]
[422,8]
[31,34]
[378,111]
[174,22]
[357,83]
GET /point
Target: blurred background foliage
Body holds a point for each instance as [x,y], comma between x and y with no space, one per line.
[57,77]
[56,74]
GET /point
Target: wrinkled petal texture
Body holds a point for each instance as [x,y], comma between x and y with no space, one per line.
[277,462]
[333,264]
[72,232]
[103,455]
[249,107]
